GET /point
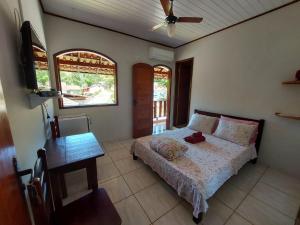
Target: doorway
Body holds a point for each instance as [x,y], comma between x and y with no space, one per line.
[151,90]
[183,84]
[161,98]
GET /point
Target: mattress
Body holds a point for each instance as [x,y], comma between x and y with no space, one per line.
[203,169]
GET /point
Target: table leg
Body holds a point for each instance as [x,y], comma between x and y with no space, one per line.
[55,186]
[63,186]
[91,171]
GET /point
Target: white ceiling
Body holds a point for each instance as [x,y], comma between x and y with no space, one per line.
[137,17]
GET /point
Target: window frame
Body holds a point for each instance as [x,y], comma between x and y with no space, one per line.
[58,80]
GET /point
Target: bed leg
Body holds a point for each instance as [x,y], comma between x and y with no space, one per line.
[134,156]
[199,219]
[254,161]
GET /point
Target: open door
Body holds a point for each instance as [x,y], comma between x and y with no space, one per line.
[142,86]
[13,208]
[161,98]
[183,84]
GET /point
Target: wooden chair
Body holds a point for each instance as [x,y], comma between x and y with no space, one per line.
[39,192]
[55,128]
[57,132]
[95,208]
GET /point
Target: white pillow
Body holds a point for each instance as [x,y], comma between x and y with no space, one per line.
[235,132]
[202,123]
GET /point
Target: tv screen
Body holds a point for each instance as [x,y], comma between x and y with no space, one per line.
[35,60]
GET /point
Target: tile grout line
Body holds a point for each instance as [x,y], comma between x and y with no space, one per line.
[267,204]
[279,211]
[277,189]
[119,175]
[236,186]
[179,202]
[235,210]
[138,201]
[132,194]
[247,193]
[111,178]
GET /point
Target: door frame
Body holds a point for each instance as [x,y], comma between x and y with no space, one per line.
[168,120]
[11,190]
[175,106]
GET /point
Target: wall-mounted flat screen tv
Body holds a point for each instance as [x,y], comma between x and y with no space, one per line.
[34,59]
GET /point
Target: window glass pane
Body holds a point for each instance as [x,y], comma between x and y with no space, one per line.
[86,79]
[41,68]
[87,89]
[42,77]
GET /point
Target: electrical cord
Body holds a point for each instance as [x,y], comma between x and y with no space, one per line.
[45,107]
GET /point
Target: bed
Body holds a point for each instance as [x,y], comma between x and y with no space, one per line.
[204,168]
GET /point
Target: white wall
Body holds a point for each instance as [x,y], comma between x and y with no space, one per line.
[28,127]
[239,72]
[109,122]
[31,11]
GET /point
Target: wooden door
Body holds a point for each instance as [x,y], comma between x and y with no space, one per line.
[13,208]
[142,86]
[183,82]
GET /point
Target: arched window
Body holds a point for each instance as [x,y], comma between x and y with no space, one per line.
[85,78]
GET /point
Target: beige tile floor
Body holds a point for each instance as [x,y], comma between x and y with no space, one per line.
[256,196]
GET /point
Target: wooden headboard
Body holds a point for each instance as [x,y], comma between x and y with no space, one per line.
[260,124]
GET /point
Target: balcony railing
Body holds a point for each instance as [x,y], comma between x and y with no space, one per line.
[159,110]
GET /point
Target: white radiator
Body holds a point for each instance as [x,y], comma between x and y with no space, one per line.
[76,124]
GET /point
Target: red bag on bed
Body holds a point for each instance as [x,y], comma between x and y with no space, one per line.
[195,138]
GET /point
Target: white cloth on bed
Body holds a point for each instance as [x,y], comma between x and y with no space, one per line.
[167,147]
[202,170]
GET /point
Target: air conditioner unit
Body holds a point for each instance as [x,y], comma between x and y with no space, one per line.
[161,54]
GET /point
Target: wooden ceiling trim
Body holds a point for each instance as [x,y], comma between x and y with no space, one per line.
[105,28]
[244,21]
[227,11]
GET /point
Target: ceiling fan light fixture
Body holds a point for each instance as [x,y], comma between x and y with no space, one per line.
[171,29]
[171,19]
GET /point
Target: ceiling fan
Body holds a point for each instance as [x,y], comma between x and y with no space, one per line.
[171,19]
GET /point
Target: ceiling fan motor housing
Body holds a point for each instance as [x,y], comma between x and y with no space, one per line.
[171,19]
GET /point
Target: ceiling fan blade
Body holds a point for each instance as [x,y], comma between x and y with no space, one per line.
[158,26]
[189,19]
[166,6]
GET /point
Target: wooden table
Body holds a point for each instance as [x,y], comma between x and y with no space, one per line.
[69,153]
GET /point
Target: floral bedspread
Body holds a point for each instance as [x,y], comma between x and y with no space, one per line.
[202,170]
